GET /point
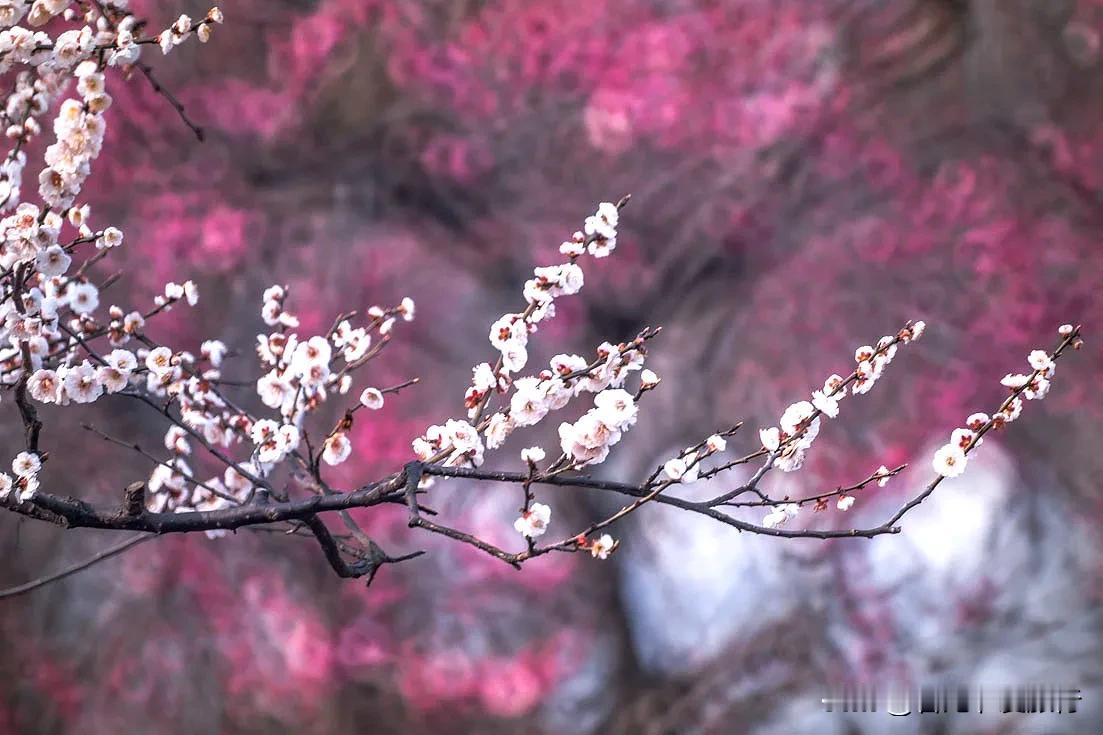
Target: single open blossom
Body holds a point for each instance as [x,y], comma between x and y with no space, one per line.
[532,455]
[82,383]
[883,476]
[5,485]
[528,404]
[533,523]
[159,361]
[337,449]
[1065,330]
[602,547]
[616,408]
[675,468]
[950,460]
[770,438]
[716,443]
[43,385]
[372,398]
[976,421]
[112,379]
[273,389]
[1010,412]
[963,438]
[53,261]
[83,297]
[498,430]
[780,514]
[26,464]
[796,417]
[845,502]
[829,405]
[462,435]
[1040,360]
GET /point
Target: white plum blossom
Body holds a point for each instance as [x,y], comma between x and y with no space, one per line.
[648,379]
[498,430]
[845,502]
[780,514]
[829,405]
[43,385]
[684,469]
[716,443]
[950,460]
[273,389]
[675,468]
[529,402]
[1040,360]
[602,547]
[159,361]
[53,261]
[976,421]
[82,383]
[532,455]
[112,379]
[213,350]
[533,523]
[796,417]
[372,398]
[83,298]
[615,407]
[770,438]
[337,449]
[883,476]
[5,485]
[26,464]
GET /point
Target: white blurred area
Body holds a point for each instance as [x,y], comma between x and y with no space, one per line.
[981,588]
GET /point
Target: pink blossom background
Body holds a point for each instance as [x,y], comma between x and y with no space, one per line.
[805,177]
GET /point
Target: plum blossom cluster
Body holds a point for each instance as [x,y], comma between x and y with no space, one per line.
[46,65]
[510,333]
[799,424]
[588,440]
[567,376]
[179,31]
[25,467]
[301,373]
[951,458]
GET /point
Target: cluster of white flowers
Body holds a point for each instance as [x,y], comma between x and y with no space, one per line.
[800,423]
[83,383]
[686,467]
[25,467]
[567,377]
[588,440]
[951,458]
[301,373]
[174,489]
[510,333]
[179,31]
[456,439]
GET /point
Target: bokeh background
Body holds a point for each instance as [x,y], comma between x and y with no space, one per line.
[806,176]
